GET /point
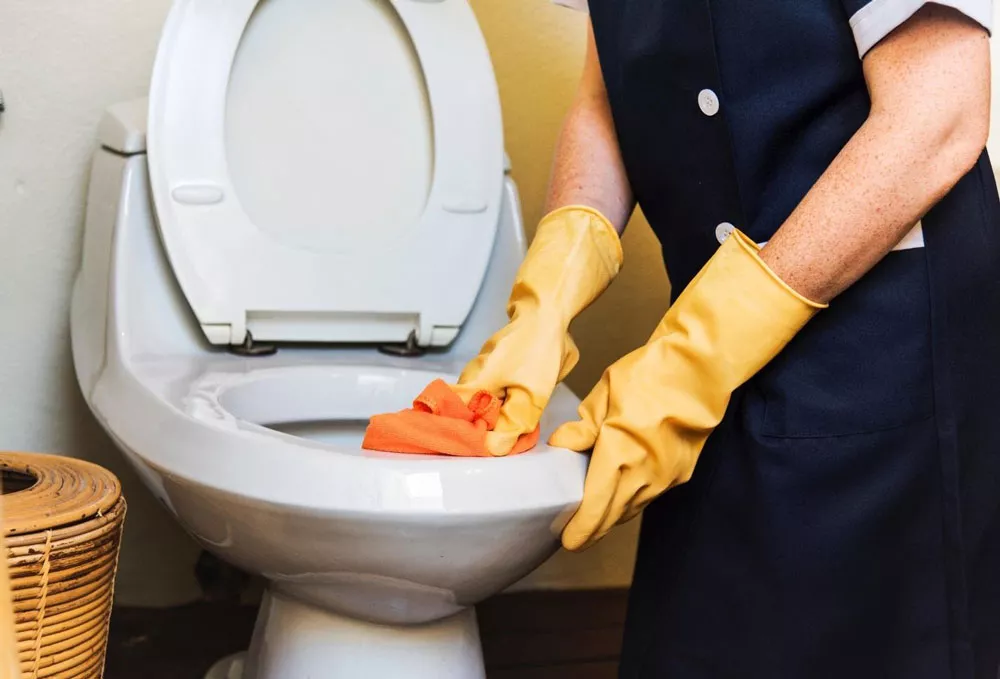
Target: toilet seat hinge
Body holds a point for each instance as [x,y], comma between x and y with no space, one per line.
[409,350]
[251,348]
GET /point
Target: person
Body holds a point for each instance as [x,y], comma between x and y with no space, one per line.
[811,428]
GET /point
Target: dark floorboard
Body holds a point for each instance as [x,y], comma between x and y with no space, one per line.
[533,635]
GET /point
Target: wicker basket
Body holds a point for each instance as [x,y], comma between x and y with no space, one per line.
[62,524]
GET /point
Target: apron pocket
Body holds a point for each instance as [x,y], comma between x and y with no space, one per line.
[863,365]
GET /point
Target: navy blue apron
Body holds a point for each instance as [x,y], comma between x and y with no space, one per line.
[843,520]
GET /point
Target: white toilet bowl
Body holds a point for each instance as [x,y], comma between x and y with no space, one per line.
[374,561]
[390,539]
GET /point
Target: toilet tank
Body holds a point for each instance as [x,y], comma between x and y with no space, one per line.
[126,299]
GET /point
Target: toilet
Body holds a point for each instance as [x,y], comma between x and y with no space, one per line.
[309,219]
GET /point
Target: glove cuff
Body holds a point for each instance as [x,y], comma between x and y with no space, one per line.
[752,249]
[574,256]
[736,315]
[605,236]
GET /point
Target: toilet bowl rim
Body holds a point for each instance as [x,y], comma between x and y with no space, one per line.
[176,444]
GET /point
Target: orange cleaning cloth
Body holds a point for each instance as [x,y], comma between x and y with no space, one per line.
[441,423]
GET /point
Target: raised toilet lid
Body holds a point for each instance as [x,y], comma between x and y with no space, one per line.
[326,170]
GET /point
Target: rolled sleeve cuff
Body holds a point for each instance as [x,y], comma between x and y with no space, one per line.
[579,5]
[878,18]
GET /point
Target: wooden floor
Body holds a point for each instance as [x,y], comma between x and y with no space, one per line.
[551,635]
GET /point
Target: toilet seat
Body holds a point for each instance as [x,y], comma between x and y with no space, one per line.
[377,286]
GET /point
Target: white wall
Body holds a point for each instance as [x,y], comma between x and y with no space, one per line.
[61,63]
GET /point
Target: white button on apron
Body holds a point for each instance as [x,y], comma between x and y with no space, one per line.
[708,102]
[723,230]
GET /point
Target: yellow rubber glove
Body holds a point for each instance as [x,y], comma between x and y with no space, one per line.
[574,256]
[648,418]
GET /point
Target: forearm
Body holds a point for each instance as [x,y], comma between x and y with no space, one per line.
[588,167]
[882,183]
[927,128]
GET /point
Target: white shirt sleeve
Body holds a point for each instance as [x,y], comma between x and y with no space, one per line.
[579,5]
[875,19]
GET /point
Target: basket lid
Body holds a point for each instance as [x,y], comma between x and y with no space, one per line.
[44,492]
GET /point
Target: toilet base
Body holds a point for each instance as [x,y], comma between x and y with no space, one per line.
[293,640]
[230,667]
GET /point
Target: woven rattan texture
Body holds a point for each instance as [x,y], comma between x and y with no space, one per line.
[62,523]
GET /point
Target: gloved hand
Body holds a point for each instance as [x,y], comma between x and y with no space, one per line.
[574,256]
[652,411]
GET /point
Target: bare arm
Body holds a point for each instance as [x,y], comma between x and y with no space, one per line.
[588,168]
[930,89]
